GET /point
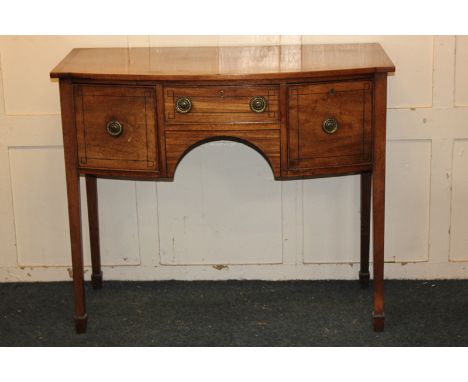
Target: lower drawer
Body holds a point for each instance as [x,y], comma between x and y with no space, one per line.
[179,143]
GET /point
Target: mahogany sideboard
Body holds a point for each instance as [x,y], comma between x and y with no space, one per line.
[309,110]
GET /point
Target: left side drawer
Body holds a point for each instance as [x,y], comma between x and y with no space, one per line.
[116,127]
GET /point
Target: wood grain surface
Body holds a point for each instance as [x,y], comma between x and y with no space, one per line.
[224,63]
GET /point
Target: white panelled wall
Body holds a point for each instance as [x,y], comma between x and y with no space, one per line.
[224,217]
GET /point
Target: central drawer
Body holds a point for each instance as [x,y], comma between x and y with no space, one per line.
[220,105]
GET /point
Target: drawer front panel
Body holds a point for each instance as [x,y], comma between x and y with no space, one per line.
[330,124]
[220,104]
[116,127]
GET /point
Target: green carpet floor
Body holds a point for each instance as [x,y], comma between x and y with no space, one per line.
[236,313]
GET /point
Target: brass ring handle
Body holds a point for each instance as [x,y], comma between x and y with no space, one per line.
[183,105]
[114,128]
[258,104]
[330,125]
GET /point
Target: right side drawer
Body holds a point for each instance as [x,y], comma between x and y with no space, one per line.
[329,124]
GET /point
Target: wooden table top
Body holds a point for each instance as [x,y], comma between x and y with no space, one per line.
[224,63]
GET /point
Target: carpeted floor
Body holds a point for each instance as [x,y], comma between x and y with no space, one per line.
[236,313]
